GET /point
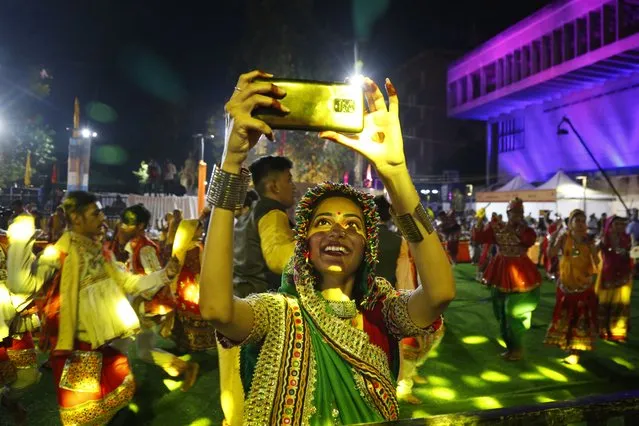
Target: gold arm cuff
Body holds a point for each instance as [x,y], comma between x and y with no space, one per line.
[424,218]
[408,227]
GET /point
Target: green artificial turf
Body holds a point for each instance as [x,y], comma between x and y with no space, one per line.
[465,373]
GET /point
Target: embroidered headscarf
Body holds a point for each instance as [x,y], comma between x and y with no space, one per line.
[300,272]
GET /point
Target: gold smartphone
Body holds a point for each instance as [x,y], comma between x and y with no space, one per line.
[316,106]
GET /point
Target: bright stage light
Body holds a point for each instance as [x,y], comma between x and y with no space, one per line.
[88,133]
[356,80]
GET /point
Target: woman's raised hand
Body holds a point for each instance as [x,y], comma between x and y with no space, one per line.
[381,140]
[242,130]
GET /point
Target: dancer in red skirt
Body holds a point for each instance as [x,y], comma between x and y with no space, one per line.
[513,277]
[574,323]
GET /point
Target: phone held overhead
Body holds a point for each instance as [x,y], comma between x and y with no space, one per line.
[315,106]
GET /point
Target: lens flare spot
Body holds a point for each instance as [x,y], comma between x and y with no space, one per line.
[419,413]
[134,407]
[543,399]
[501,343]
[111,155]
[101,113]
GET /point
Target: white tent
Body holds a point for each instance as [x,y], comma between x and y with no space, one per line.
[571,195]
[516,183]
[560,194]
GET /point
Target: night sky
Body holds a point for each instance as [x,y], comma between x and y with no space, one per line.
[164,67]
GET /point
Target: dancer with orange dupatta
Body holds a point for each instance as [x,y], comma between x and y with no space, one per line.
[614,283]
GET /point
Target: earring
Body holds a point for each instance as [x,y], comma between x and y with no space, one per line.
[307,256]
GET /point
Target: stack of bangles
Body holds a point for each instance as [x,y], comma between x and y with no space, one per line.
[227,190]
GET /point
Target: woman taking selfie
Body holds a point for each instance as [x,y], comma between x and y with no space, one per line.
[328,338]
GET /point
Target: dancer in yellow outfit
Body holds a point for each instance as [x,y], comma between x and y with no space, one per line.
[574,322]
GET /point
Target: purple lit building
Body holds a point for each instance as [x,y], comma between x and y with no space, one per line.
[574,58]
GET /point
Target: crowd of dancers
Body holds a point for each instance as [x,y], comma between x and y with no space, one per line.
[319,320]
[593,275]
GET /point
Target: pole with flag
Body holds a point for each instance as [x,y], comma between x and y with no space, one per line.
[27,170]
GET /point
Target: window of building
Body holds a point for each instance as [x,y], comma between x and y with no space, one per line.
[510,136]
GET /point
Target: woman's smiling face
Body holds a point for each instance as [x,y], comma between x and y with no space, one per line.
[336,236]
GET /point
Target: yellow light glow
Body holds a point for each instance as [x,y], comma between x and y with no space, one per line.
[475,382]
[134,407]
[335,268]
[543,399]
[501,342]
[50,253]
[571,359]
[22,228]
[438,381]
[191,292]
[172,384]
[623,362]
[433,354]
[574,367]
[486,403]
[494,376]
[474,340]
[419,413]
[183,237]
[5,297]
[552,374]
[201,422]
[443,393]
[186,357]
[127,314]
[532,376]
